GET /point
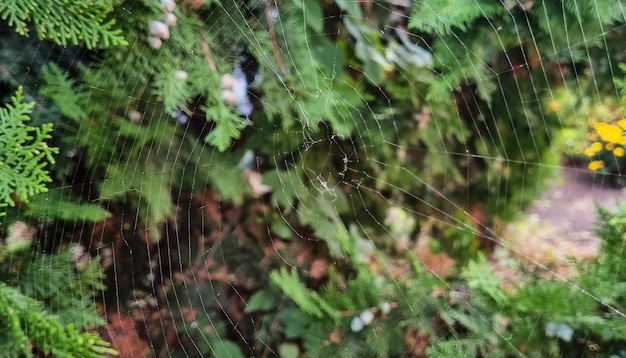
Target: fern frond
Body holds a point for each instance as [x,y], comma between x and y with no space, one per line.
[455,348]
[308,300]
[441,16]
[60,89]
[55,205]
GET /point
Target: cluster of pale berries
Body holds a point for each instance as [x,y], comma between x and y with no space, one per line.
[367,317]
[235,91]
[159,30]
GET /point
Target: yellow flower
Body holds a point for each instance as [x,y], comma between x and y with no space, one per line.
[619,152]
[593,149]
[622,123]
[597,146]
[596,164]
[599,125]
[609,133]
[590,152]
[609,146]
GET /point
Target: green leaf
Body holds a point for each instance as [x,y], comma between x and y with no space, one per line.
[374,72]
[224,348]
[351,7]
[262,300]
[334,235]
[288,350]
[149,185]
[285,185]
[296,322]
[312,13]
[281,228]
[54,205]
[329,55]
[225,175]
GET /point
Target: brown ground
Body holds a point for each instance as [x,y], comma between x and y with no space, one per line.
[560,224]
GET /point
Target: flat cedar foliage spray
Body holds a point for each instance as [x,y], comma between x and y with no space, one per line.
[246,178]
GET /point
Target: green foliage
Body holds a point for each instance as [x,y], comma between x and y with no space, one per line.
[440,17]
[353,114]
[71,103]
[228,127]
[65,22]
[603,277]
[150,183]
[309,301]
[471,315]
[150,193]
[26,325]
[47,301]
[339,302]
[66,291]
[24,153]
[309,100]
[53,205]
[494,83]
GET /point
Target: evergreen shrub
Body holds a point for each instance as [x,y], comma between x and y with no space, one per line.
[298,131]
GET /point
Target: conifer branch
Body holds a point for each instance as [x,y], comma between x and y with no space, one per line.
[65,22]
[24,153]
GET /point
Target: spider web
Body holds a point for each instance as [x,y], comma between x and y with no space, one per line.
[316,196]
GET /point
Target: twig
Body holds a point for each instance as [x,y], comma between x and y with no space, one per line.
[270,22]
[207,54]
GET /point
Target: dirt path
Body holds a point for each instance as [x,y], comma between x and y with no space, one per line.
[560,224]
